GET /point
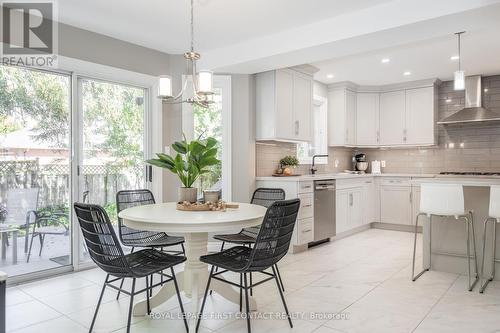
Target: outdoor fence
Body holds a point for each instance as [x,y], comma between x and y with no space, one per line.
[101,182]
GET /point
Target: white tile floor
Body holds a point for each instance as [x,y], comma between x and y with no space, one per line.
[364,277]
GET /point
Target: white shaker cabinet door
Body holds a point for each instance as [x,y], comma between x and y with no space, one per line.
[392,118]
[367,119]
[284,105]
[420,116]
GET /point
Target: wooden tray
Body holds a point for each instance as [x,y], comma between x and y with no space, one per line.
[202,207]
[282,175]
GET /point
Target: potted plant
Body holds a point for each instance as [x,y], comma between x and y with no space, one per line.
[192,160]
[287,163]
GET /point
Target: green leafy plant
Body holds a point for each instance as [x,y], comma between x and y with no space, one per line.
[289,160]
[192,160]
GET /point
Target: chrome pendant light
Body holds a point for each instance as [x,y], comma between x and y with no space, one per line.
[459,77]
[202,81]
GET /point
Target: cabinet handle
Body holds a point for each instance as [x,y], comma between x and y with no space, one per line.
[411,197]
[346,135]
[350,199]
[306,206]
[297,127]
[378,136]
[308,230]
[405,132]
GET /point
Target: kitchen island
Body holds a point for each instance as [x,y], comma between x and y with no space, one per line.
[449,235]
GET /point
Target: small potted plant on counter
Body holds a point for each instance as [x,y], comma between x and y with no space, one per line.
[192,160]
[287,164]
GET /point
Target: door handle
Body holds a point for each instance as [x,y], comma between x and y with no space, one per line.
[297,127]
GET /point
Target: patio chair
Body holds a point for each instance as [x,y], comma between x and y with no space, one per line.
[21,207]
[47,224]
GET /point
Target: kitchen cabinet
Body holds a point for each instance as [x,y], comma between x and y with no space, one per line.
[395,206]
[392,118]
[284,104]
[420,116]
[367,119]
[341,117]
[349,209]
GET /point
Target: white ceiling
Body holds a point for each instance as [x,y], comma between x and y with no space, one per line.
[164,24]
[428,59]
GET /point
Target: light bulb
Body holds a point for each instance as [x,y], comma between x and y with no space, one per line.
[459,83]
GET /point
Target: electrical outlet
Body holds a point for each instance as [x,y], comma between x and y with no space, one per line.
[382,164]
[336,163]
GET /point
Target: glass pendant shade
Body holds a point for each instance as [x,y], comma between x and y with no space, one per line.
[205,82]
[459,82]
[165,86]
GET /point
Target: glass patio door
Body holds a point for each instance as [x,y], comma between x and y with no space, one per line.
[35,171]
[112,143]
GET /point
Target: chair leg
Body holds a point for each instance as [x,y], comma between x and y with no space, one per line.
[470,224]
[151,290]
[41,244]
[98,304]
[413,277]
[29,251]
[179,299]
[217,268]
[247,306]
[282,297]
[131,305]
[241,292]
[121,283]
[204,299]
[183,250]
[483,285]
[251,284]
[147,296]
[279,277]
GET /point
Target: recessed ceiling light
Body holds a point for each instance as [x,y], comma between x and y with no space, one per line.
[455,57]
[385,60]
[407,73]
[329,76]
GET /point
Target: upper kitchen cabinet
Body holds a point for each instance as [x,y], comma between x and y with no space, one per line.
[367,119]
[392,118]
[284,104]
[421,113]
[395,115]
[341,117]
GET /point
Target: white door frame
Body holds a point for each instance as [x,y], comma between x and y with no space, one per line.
[153,128]
[223,82]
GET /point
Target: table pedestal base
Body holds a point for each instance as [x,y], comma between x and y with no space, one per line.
[193,282]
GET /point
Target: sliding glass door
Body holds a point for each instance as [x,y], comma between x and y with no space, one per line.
[35,170]
[113,141]
[63,138]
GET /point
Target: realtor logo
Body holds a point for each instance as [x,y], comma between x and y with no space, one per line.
[28,33]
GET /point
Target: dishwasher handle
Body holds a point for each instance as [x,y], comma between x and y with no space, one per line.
[324,187]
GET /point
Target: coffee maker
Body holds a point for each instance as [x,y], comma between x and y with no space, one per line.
[359,162]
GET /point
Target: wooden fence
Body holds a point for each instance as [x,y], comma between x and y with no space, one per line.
[101,181]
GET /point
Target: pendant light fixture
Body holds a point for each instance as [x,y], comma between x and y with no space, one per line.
[202,81]
[459,81]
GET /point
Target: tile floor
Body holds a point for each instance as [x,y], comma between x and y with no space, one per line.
[363,280]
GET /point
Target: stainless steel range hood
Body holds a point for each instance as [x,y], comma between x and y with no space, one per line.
[473,111]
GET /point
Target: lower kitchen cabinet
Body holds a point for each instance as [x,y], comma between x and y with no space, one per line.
[395,204]
[349,209]
[415,203]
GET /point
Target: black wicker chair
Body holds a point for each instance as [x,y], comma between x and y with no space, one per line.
[139,238]
[271,245]
[264,197]
[106,252]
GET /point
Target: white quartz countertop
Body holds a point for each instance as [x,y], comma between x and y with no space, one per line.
[342,175]
[461,180]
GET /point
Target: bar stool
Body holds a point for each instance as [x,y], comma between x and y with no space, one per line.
[494,216]
[445,200]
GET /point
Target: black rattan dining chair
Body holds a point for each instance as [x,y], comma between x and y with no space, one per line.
[271,245]
[138,238]
[247,236]
[106,252]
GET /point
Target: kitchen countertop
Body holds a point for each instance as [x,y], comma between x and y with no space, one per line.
[342,175]
[464,180]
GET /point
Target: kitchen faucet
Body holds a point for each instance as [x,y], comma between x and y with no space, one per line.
[313,167]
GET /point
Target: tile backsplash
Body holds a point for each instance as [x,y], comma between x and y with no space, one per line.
[460,148]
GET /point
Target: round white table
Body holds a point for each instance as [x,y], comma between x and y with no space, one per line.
[194,226]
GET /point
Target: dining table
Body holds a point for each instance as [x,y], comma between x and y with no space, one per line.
[195,226]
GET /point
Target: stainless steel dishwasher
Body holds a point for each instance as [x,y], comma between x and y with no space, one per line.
[324,209]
